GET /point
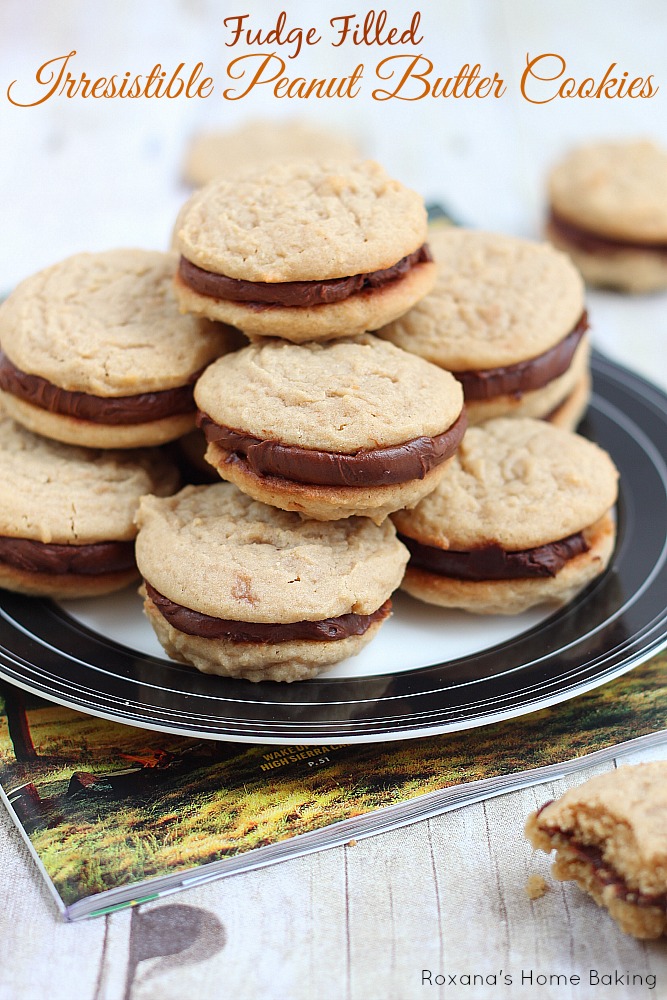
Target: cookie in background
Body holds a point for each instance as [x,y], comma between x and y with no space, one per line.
[261,142]
[608,210]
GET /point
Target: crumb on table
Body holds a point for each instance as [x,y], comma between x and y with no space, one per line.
[536,887]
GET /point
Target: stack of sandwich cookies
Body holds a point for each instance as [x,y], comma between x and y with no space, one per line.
[238,588]
[96,353]
[305,250]
[522,516]
[608,210]
[609,837]
[67,514]
[507,318]
[347,427]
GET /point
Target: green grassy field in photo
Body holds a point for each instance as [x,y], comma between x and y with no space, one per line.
[114,804]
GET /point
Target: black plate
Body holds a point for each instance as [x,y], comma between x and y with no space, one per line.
[618,622]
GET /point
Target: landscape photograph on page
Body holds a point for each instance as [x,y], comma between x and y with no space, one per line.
[115,814]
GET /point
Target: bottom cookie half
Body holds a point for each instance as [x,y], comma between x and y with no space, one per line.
[62,586]
[254,661]
[323,503]
[540,403]
[509,597]
[72,430]
[628,269]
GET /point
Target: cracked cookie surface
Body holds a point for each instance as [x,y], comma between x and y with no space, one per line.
[498,300]
[341,396]
[305,220]
[516,483]
[107,324]
[215,550]
[52,492]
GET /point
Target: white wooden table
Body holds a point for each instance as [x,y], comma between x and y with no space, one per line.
[446,895]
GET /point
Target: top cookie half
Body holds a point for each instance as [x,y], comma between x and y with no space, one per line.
[506,317]
[307,250]
[95,352]
[616,190]
[608,210]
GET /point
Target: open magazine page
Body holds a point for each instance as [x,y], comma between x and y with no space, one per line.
[114,814]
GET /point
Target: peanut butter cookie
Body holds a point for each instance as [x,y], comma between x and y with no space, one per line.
[237,588]
[67,514]
[331,429]
[258,143]
[521,516]
[608,210]
[95,352]
[507,318]
[305,250]
[610,837]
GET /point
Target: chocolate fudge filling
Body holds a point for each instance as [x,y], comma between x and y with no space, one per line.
[595,243]
[92,559]
[492,562]
[524,376]
[605,874]
[263,294]
[139,409]
[208,627]
[367,467]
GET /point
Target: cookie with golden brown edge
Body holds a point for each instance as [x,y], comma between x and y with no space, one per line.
[610,837]
[96,353]
[608,211]
[238,588]
[522,516]
[67,513]
[507,318]
[334,429]
[305,250]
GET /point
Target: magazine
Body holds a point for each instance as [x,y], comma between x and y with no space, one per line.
[115,815]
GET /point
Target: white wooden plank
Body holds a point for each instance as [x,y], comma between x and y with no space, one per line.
[278,932]
[474,927]
[393,914]
[40,954]
[112,974]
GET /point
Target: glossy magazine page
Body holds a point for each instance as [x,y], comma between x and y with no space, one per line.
[115,814]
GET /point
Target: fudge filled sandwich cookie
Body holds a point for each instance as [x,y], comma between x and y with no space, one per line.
[610,837]
[306,250]
[67,514]
[522,516]
[330,429]
[95,351]
[507,318]
[608,210]
[236,588]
